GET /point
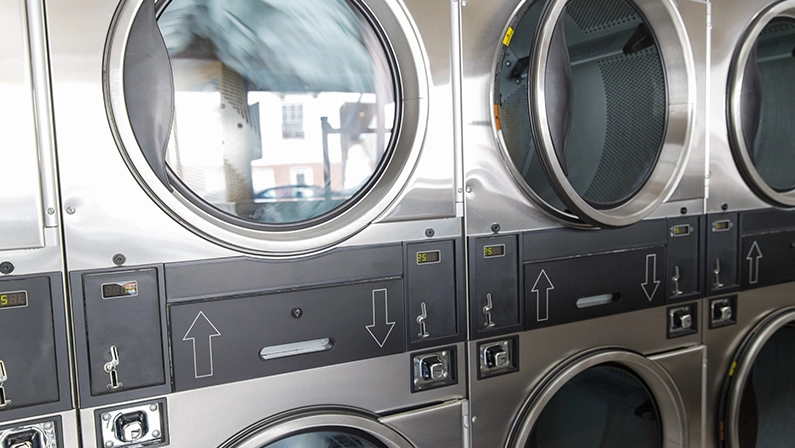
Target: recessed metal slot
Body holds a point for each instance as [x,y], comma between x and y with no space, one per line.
[599,300]
[681,230]
[296,348]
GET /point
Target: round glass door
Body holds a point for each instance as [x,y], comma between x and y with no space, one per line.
[330,428]
[762,105]
[589,115]
[759,406]
[271,126]
[612,399]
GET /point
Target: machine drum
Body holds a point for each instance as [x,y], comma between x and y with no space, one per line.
[605,406]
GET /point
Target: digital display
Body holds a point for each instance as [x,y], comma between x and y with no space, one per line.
[121,289]
[433,256]
[13,299]
[720,226]
[494,251]
[682,230]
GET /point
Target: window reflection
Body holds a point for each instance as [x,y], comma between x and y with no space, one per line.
[284,108]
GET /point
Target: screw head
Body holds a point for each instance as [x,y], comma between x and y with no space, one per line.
[495,228]
[119,259]
[429,232]
[297,313]
[50,211]
[724,207]
[108,444]
[48,425]
[153,407]
[70,210]
[469,189]
[155,433]
[106,416]
[683,210]
[6,267]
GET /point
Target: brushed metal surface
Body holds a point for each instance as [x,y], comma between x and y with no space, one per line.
[495,402]
[69,427]
[112,213]
[21,213]
[730,21]
[492,193]
[207,417]
[723,342]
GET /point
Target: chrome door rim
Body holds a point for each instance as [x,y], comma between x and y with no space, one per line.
[663,389]
[414,93]
[740,150]
[321,420]
[678,63]
[755,342]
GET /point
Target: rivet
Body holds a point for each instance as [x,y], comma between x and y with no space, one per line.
[70,210]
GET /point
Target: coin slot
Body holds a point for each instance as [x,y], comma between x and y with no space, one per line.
[296,349]
[598,300]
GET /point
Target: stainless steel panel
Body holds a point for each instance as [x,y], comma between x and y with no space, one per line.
[224,410]
[21,214]
[497,400]
[436,426]
[109,212]
[492,194]
[723,342]
[727,189]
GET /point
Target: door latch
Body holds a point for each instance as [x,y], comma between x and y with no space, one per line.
[110,367]
[421,320]
[487,311]
[675,280]
[716,273]
[4,401]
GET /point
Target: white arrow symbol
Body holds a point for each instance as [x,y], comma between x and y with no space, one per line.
[651,271]
[205,331]
[542,306]
[383,329]
[753,263]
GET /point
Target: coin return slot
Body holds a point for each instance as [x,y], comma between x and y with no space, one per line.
[599,300]
[296,349]
[136,426]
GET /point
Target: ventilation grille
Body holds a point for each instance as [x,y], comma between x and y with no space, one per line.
[597,15]
[590,47]
[636,118]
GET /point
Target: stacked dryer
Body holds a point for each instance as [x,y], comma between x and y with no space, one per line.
[751,228]
[36,407]
[264,224]
[584,156]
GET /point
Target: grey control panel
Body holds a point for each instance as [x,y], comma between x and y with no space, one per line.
[34,369]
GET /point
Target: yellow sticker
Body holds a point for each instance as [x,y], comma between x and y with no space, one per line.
[731,371]
[508,36]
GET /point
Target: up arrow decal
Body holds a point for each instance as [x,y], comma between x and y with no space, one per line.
[650,288]
[202,332]
[753,257]
[542,305]
[381,327]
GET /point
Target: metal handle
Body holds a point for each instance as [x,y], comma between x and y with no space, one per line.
[487,311]
[110,367]
[558,89]
[716,273]
[4,401]
[675,280]
[751,101]
[421,320]
[149,89]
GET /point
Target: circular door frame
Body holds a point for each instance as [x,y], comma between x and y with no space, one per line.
[739,149]
[741,366]
[412,78]
[329,419]
[678,65]
[662,388]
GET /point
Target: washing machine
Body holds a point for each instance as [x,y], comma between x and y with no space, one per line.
[584,139]
[751,223]
[749,388]
[36,405]
[633,379]
[262,220]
